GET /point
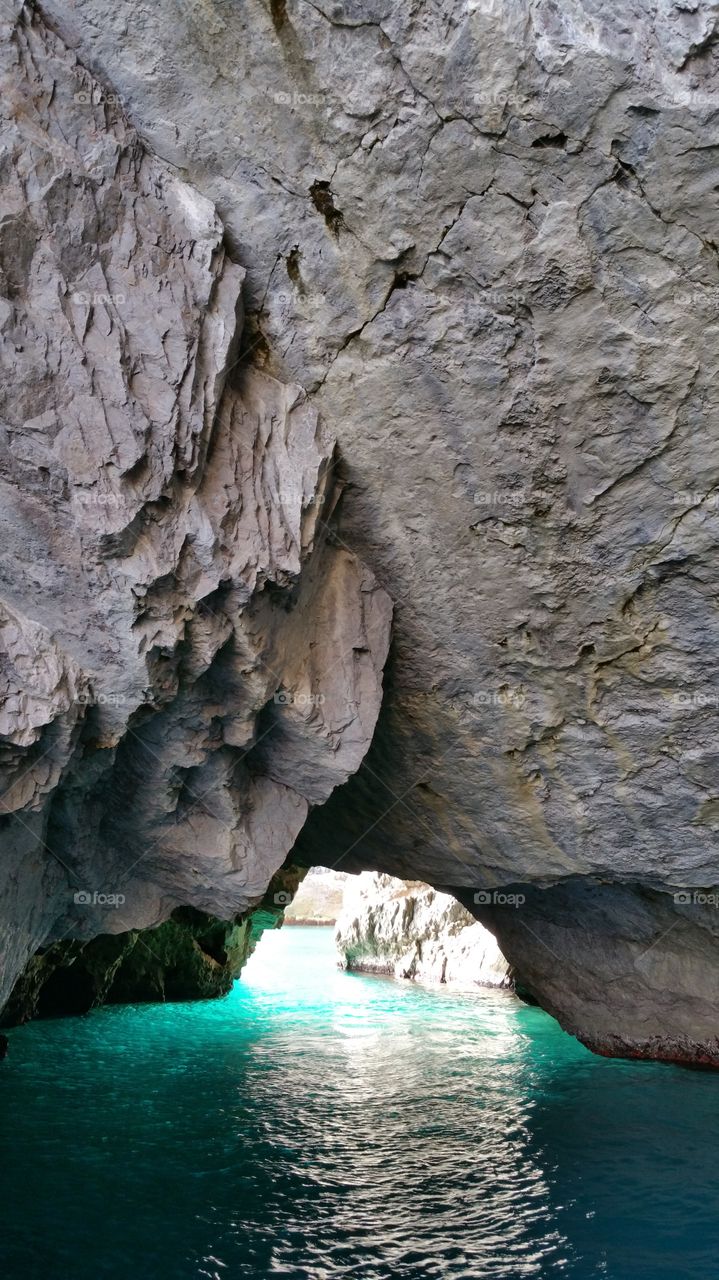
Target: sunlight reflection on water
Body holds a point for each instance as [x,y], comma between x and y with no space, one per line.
[318,1124]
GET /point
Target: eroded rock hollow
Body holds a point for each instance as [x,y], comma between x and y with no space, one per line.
[479,247]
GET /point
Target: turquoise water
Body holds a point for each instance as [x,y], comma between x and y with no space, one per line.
[317,1124]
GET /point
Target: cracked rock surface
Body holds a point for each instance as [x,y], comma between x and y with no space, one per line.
[188,661]
[481,237]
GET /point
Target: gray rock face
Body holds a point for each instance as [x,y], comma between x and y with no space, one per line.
[481,237]
[187,662]
[406,929]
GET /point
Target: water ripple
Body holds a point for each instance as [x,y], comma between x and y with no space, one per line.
[319,1125]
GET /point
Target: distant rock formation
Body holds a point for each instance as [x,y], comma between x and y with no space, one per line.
[318,899]
[406,928]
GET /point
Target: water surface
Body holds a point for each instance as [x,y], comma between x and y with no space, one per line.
[317,1125]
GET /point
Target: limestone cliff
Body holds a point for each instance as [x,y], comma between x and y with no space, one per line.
[407,929]
[189,660]
[480,248]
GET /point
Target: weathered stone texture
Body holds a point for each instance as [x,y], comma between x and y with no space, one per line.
[481,236]
[188,663]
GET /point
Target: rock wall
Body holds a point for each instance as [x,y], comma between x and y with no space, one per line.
[407,929]
[188,660]
[481,237]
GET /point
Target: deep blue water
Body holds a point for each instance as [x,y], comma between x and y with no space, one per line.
[317,1124]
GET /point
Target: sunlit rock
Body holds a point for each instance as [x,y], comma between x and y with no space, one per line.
[409,930]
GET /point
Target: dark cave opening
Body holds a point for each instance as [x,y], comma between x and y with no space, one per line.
[69,990]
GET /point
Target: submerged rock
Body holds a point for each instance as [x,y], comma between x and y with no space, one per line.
[407,929]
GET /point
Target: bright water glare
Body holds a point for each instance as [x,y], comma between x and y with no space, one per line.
[317,1125]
